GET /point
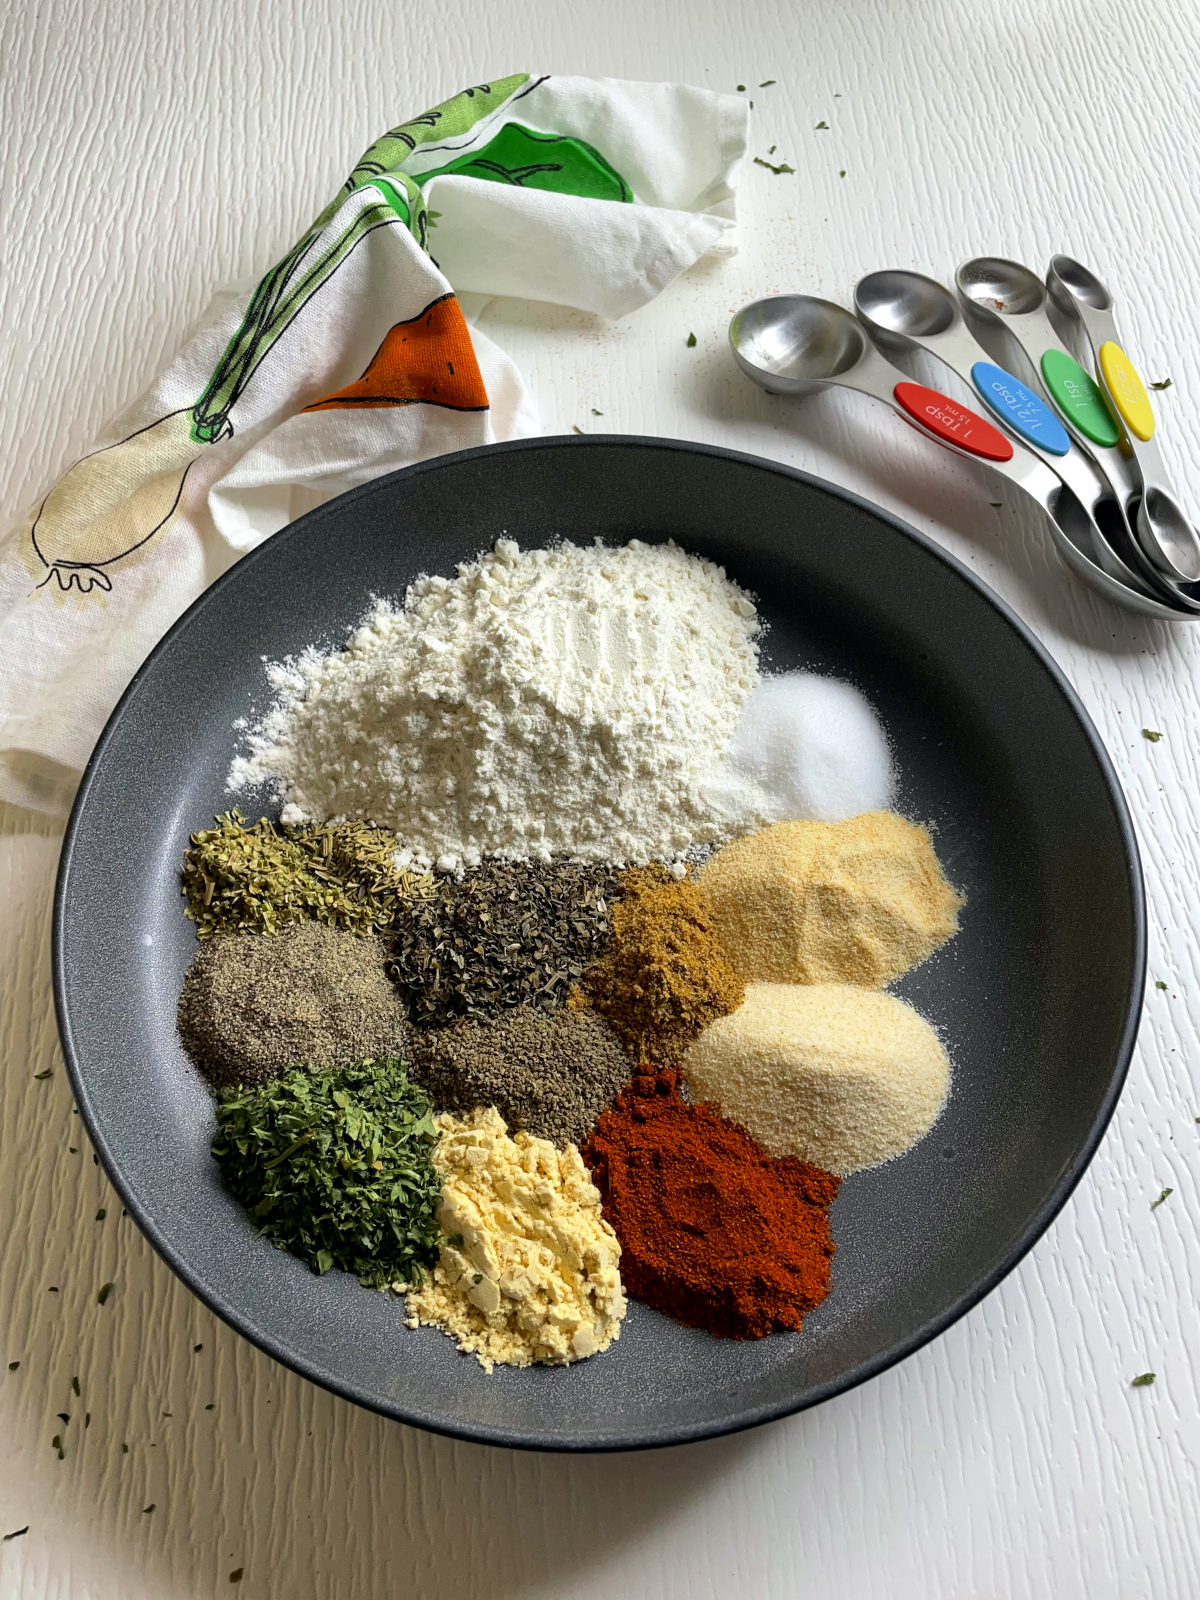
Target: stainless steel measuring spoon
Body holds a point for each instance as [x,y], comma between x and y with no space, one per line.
[906,311]
[796,345]
[1006,294]
[1165,530]
[1007,297]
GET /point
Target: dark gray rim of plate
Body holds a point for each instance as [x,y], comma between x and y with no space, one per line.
[753,1416]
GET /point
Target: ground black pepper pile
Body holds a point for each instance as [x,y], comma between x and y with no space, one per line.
[500,936]
[549,1073]
[255,1005]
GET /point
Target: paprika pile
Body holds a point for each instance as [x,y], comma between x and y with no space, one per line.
[713,1231]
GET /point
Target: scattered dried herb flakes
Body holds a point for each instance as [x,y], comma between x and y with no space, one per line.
[499,936]
[1144,1380]
[196,1349]
[1163,383]
[741,88]
[101,1214]
[821,126]
[1152,734]
[596,413]
[1159,984]
[335,1168]
[105,1290]
[75,1386]
[63,1416]
[40,1077]
[575,428]
[691,341]
[57,1444]
[146,1510]
[842,173]
[766,83]
[258,877]
[16,1533]
[770,165]
[1163,1196]
[13,1365]
[236,1575]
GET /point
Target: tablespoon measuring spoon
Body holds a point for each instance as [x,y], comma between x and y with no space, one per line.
[906,310]
[796,345]
[1077,292]
[1007,294]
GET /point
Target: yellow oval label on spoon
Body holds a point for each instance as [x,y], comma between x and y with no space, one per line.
[1127,390]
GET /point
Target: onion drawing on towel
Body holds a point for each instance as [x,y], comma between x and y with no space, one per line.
[117,500]
[113,502]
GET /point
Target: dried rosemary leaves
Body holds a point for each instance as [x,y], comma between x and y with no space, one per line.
[502,935]
[258,877]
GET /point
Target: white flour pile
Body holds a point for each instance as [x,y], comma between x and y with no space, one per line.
[568,701]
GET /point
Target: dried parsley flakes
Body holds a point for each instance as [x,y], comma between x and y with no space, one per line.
[335,1167]
[499,936]
[259,877]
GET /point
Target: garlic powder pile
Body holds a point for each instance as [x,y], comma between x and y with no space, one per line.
[571,701]
[531,1270]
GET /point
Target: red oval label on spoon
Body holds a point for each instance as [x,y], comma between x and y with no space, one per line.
[952,422]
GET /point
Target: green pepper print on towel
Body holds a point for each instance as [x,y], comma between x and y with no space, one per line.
[528,160]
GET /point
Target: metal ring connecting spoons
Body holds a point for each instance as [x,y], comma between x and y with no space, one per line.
[906,310]
[1007,294]
[796,344]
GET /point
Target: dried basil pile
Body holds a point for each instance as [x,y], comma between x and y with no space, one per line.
[242,877]
[336,1168]
[502,935]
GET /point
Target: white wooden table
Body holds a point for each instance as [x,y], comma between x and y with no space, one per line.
[152,151]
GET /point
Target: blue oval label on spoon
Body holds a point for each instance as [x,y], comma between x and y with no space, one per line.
[1020,408]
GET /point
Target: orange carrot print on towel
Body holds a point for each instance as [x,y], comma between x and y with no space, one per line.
[428,360]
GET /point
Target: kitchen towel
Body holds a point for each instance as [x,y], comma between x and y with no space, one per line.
[349,358]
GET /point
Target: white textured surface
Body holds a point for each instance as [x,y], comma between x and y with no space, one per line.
[152,151]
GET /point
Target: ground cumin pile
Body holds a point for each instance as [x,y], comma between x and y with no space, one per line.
[859,901]
[713,1231]
[665,974]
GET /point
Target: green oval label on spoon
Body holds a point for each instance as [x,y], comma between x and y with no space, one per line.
[1079,398]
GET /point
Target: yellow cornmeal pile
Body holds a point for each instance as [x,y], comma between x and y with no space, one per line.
[665,975]
[859,901]
[530,1271]
[840,1076]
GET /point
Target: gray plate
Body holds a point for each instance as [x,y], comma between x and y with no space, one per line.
[1038,997]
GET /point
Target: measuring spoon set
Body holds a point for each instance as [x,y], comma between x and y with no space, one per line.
[1082,447]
